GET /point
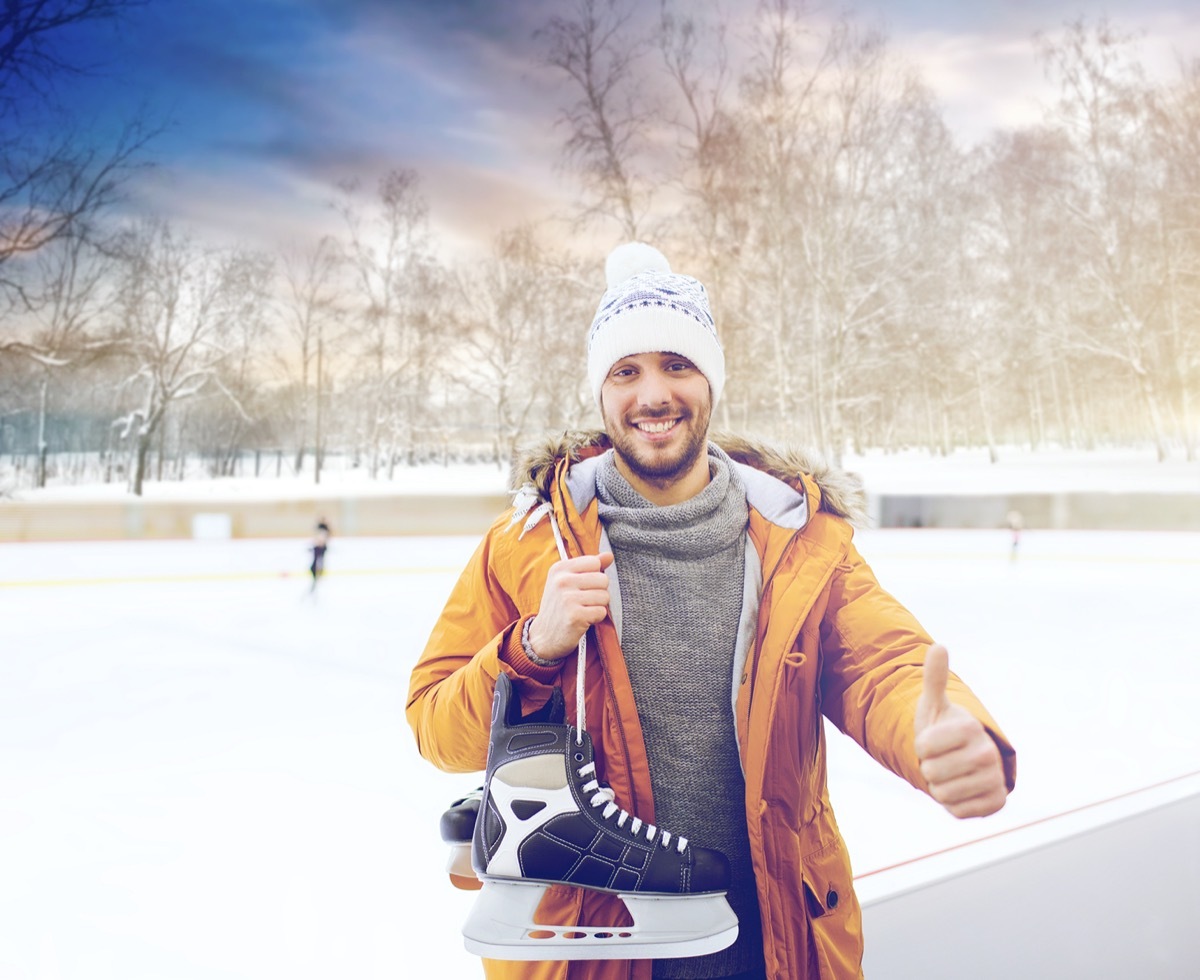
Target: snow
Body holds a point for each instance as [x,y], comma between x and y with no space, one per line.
[207,774]
[454,478]
[1016,471]
[907,472]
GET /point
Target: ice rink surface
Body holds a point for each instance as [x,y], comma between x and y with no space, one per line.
[205,773]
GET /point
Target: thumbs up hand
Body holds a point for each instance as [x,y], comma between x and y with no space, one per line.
[959,760]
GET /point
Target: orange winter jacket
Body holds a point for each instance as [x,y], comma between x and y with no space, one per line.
[829,641]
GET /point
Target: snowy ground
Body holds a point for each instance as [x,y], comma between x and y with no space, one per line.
[909,472]
[205,775]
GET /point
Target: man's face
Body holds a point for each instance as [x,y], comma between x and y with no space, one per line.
[656,410]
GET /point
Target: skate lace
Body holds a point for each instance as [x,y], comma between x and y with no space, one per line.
[605,797]
[581,658]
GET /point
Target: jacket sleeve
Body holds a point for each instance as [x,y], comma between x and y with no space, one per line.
[477,635]
[873,653]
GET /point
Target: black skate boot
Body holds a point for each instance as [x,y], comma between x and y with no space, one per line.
[545,819]
[457,827]
[457,824]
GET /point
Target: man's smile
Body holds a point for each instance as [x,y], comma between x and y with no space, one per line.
[656,426]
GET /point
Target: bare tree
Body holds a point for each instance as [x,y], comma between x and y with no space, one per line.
[311,309]
[841,155]
[607,115]
[873,145]
[1033,260]
[53,179]
[395,282]
[30,30]
[67,319]
[48,191]
[521,337]
[245,330]
[55,182]
[1176,141]
[1104,111]
[180,307]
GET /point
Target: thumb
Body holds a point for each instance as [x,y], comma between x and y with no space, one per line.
[933,700]
[606,559]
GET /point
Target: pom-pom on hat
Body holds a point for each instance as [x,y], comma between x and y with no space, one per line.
[648,308]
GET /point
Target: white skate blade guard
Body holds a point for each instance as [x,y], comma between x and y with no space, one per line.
[459,861]
[501,927]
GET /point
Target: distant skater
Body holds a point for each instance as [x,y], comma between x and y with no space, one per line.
[319,546]
[1015,523]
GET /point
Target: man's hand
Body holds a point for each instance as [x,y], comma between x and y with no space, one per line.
[959,760]
[575,597]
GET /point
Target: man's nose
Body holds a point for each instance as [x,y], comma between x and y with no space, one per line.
[653,389]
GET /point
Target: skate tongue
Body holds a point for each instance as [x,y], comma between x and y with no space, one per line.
[553,712]
[508,706]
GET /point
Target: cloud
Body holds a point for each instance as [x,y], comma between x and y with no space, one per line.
[994,80]
[281,99]
[264,81]
[983,82]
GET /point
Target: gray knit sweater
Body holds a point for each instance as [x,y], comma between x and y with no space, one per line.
[681,571]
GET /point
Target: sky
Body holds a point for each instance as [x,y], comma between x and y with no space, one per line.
[265,105]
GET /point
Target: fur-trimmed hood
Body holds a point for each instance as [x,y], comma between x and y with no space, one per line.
[842,493]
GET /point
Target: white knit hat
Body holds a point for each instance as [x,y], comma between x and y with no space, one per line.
[648,308]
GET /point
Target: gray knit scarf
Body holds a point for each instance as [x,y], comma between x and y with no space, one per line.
[681,569]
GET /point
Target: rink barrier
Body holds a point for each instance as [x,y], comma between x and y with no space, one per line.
[1059,511]
[131,518]
[1103,890]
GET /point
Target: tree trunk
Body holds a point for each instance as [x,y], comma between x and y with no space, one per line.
[318,448]
[141,451]
[42,446]
[985,415]
[1187,430]
[931,440]
[1153,414]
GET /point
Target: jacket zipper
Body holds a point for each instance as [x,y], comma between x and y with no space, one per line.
[758,632]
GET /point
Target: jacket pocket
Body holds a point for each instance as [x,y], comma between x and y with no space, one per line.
[835,920]
[827,884]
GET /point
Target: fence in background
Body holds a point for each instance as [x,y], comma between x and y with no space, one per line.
[134,518]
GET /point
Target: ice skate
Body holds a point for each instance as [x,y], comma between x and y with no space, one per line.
[457,825]
[458,828]
[544,818]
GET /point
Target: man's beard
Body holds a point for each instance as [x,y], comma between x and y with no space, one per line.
[660,469]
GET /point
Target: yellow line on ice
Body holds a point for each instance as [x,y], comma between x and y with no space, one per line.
[212,577]
[999,557]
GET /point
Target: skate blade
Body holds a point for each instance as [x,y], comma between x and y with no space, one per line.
[501,927]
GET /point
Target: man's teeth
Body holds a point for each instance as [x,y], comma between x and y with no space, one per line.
[664,426]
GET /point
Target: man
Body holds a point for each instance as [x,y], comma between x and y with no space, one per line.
[733,612]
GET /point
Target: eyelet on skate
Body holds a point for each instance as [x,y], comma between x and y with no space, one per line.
[578,756]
